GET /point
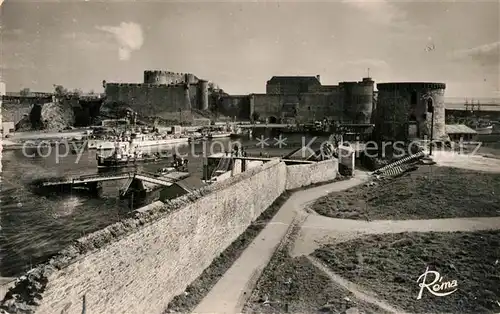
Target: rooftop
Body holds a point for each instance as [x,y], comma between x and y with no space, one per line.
[294,80]
[417,85]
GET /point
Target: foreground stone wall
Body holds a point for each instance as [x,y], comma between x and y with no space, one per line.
[129,268]
[303,175]
[139,264]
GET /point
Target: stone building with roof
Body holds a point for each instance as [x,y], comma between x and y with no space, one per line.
[457,132]
[300,99]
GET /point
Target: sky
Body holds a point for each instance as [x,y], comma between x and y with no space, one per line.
[240,45]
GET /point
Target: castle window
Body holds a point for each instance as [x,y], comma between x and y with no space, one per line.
[414,98]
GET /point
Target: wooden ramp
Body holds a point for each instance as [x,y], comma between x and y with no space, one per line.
[165,180]
[89,179]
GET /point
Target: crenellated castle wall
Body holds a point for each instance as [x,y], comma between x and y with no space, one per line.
[167,77]
[151,99]
[162,91]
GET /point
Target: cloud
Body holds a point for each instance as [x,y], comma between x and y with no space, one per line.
[380,11]
[485,55]
[128,35]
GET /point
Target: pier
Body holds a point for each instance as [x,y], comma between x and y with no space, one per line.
[92,182]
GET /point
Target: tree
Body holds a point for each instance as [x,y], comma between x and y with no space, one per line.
[76,92]
[59,90]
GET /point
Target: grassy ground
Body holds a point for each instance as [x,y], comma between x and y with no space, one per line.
[391,264]
[294,285]
[429,192]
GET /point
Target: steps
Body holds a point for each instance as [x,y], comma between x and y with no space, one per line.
[401,166]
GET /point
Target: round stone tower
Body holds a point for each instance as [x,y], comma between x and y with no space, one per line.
[403,106]
[187,98]
[203,92]
[156,77]
[358,100]
[364,100]
[189,78]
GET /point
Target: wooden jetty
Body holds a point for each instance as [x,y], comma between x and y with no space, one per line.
[166,180]
[138,185]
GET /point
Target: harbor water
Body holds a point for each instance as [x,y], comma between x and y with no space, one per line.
[35,227]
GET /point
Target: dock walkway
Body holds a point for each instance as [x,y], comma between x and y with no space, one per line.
[165,180]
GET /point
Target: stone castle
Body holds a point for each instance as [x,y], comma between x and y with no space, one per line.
[288,99]
[160,92]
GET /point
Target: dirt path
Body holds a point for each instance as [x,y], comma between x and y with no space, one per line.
[355,289]
[317,229]
[466,161]
[231,291]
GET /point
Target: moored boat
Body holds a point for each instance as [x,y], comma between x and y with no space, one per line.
[484,129]
[124,155]
[213,135]
[139,142]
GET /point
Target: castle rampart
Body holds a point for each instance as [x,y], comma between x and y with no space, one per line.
[151,99]
[166,77]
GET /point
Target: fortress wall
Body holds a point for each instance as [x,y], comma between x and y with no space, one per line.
[298,176]
[148,99]
[138,265]
[267,105]
[310,105]
[315,106]
[235,106]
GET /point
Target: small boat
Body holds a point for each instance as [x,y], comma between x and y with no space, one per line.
[139,140]
[123,157]
[240,133]
[484,129]
[163,171]
[196,136]
[213,135]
